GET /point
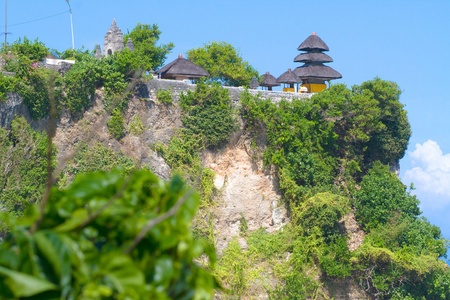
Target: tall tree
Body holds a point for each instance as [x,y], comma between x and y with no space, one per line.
[145,37]
[224,63]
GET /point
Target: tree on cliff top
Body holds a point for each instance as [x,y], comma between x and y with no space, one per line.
[224,63]
[144,38]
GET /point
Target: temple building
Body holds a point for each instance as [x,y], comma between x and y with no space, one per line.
[268,81]
[182,69]
[288,78]
[114,41]
[313,73]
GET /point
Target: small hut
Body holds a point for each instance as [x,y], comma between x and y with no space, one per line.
[182,69]
[313,73]
[288,78]
[269,81]
[253,83]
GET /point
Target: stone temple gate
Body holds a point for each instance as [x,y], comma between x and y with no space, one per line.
[113,42]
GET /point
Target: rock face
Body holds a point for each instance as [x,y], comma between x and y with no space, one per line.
[12,106]
[247,192]
[159,123]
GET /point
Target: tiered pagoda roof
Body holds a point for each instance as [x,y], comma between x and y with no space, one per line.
[313,60]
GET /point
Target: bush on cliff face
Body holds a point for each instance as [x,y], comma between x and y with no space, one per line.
[369,121]
[381,197]
[208,114]
[23,166]
[34,85]
[116,124]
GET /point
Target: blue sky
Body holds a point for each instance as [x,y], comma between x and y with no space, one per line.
[402,41]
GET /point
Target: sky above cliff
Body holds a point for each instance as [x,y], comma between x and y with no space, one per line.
[401,41]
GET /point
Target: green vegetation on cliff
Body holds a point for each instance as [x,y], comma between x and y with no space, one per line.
[76,89]
[23,166]
[330,153]
[327,154]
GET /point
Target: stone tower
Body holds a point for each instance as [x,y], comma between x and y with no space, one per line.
[130,44]
[113,40]
[98,52]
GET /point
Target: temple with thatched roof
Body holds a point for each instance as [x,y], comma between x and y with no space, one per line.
[268,81]
[289,78]
[181,69]
[313,73]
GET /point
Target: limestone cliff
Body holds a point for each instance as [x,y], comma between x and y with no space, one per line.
[247,189]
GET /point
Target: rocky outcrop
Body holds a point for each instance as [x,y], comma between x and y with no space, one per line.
[159,122]
[247,192]
[12,107]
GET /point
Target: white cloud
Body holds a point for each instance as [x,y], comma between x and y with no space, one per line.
[431,172]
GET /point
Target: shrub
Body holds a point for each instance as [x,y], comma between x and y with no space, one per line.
[116,124]
[208,113]
[381,196]
[323,211]
[97,158]
[23,163]
[35,51]
[136,127]
[164,96]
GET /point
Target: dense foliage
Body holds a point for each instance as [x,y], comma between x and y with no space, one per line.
[23,166]
[334,143]
[224,63]
[381,197]
[76,89]
[34,51]
[208,113]
[145,37]
[108,236]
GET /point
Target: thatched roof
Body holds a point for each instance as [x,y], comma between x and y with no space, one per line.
[313,42]
[269,80]
[313,57]
[253,83]
[288,77]
[317,71]
[182,67]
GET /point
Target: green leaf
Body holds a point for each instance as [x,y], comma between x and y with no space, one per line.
[78,217]
[25,285]
[57,254]
[122,271]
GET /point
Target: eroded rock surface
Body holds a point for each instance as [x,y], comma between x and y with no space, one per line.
[247,192]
